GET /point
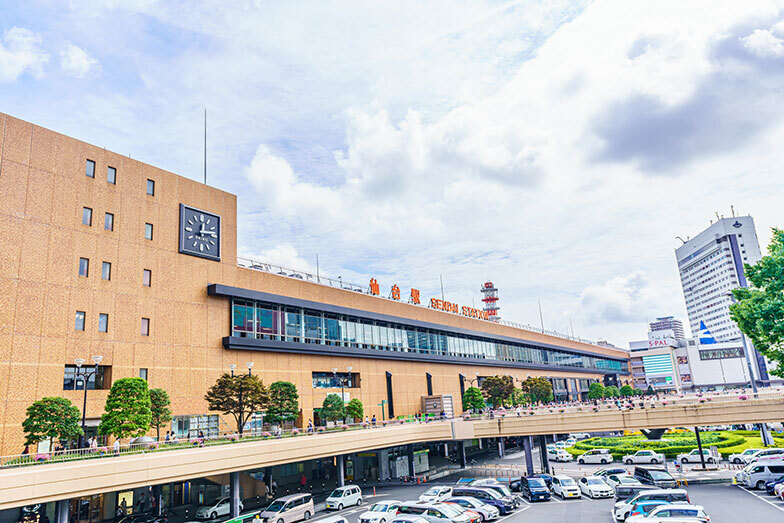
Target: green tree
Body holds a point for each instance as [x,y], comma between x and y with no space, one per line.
[627,390]
[283,402]
[333,408]
[759,311]
[539,389]
[519,397]
[239,396]
[355,409]
[639,392]
[496,389]
[50,418]
[596,391]
[473,400]
[611,392]
[650,391]
[127,411]
[159,407]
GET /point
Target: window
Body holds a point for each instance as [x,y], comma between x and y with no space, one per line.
[108,221]
[148,231]
[89,169]
[143,374]
[111,175]
[103,322]
[106,271]
[84,267]
[87,216]
[79,321]
[73,378]
[151,187]
[327,380]
[145,326]
[146,277]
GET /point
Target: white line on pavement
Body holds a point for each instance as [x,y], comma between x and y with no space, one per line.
[761,498]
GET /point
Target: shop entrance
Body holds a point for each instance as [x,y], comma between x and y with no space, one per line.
[87,509]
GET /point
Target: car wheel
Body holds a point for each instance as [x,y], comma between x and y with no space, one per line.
[654,461]
[629,462]
[760,485]
[307,515]
[684,460]
[359,501]
[581,461]
[737,461]
[340,506]
[214,515]
[604,461]
[280,521]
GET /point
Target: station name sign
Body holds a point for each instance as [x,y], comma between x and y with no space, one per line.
[448,306]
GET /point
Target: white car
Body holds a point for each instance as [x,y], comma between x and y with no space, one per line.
[643,456]
[778,491]
[579,435]
[380,512]
[673,514]
[436,494]
[771,453]
[560,444]
[743,457]
[559,455]
[565,487]
[602,456]
[694,457]
[615,480]
[344,497]
[220,508]
[594,487]
[570,442]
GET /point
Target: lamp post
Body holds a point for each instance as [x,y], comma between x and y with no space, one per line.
[240,420]
[746,352]
[85,377]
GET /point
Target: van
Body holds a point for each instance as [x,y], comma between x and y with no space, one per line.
[768,455]
[602,456]
[624,492]
[622,508]
[654,476]
[288,509]
[344,497]
[757,474]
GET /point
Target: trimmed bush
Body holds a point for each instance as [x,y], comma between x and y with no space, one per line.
[671,446]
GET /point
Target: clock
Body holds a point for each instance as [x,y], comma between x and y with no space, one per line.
[199,233]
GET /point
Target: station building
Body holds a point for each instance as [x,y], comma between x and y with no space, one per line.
[103,255]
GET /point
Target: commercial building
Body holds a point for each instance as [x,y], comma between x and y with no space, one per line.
[103,255]
[668,323]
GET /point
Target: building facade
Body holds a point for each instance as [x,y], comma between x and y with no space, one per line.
[668,323]
[103,255]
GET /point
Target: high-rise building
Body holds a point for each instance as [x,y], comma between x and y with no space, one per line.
[668,323]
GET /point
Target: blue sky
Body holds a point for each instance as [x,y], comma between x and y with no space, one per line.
[556,148]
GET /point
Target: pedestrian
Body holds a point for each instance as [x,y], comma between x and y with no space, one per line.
[274,486]
[167,439]
[303,480]
[26,450]
[310,425]
[116,446]
[94,444]
[373,420]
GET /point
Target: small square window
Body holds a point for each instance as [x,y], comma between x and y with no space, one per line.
[87,216]
[151,187]
[106,271]
[108,221]
[147,277]
[145,326]
[79,321]
[111,175]
[103,322]
[143,374]
[84,267]
[148,231]
[89,169]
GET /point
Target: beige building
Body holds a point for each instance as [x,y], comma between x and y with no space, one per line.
[104,255]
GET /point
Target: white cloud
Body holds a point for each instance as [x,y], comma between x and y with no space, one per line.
[284,254]
[621,299]
[74,61]
[764,44]
[20,52]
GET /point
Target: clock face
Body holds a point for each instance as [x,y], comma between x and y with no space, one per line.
[199,233]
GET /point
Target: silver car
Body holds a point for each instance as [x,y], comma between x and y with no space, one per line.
[485,511]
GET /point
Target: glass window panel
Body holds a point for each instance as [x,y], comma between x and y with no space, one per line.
[108,221]
[148,231]
[332,329]
[313,328]
[84,267]
[376,335]
[106,271]
[87,216]
[411,336]
[145,326]
[267,321]
[79,321]
[293,324]
[151,187]
[89,169]
[111,175]
[103,322]
[146,277]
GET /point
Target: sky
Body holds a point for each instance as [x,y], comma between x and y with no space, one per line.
[555,148]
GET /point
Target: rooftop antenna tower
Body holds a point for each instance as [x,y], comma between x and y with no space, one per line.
[490,299]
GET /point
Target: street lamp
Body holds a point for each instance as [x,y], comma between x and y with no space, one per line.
[85,377]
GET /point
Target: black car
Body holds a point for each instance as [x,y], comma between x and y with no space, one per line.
[535,489]
[654,476]
[548,479]
[489,496]
[624,492]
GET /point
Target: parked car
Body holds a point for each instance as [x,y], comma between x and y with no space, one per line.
[602,456]
[436,494]
[673,513]
[410,519]
[644,507]
[473,515]
[222,507]
[565,487]
[380,512]
[579,435]
[615,480]
[768,455]
[622,508]
[288,509]
[486,511]
[570,442]
[435,512]
[559,455]
[624,492]
[500,488]
[594,487]
[755,475]
[344,497]
[605,472]
[548,479]
[329,519]
[657,477]
[743,457]
[643,456]
[535,489]
[694,457]
[771,485]
[504,505]
[779,491]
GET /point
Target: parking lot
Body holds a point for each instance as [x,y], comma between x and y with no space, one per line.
[724,503]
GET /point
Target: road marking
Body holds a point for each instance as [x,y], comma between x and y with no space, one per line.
[761,498]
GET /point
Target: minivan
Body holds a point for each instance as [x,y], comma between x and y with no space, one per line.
[624,492]
[757,474]
[602,456]
[622,508]
[772,453]
[657,477]
[288,509]
[489,496]
[344,497]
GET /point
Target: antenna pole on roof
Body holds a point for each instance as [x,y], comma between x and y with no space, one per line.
[205,146]
[541,318]
[442,286]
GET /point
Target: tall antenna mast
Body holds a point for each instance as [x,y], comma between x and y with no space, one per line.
[441,276]
[205,146]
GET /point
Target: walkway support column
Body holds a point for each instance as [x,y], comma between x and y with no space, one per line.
[61,509]
[234,492]
[699,446]
[501,447]
[461,453]
[341,471]
[410,449]
[529,458]
[543,454]
[157,494]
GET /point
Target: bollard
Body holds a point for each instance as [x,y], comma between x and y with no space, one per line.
[374,491]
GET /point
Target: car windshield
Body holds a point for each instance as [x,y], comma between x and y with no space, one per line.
[432,491]
[659,474]
[595,481]
[567,481]
[536,482]
[503,489]
[275,506]
[626,479]
[337,493]
[749,451]
[449,510]
[379,507]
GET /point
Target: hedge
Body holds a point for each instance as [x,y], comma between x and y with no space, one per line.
[670,447]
